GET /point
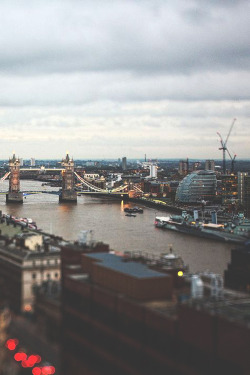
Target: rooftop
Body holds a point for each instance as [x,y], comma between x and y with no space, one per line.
[131,268]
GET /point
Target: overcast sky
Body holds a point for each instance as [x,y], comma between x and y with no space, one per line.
[113,78]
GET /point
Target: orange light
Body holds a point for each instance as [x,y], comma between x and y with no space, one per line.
[27,308]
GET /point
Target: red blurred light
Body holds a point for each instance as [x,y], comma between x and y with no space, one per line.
[48,370]
[38,358]
[24,363]
[11,344]
[20,356]
[36,371]
[45,370]
[32,360]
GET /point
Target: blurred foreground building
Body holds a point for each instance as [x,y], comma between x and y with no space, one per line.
[27,259]
[125,316]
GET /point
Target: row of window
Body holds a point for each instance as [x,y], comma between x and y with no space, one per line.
[43,262]
[48,275]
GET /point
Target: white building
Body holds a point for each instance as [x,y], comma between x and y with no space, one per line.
[29,260]
[152,168]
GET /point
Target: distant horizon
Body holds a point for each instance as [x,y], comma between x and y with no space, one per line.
[129,159]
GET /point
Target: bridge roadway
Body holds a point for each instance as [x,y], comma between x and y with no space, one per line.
[79,193]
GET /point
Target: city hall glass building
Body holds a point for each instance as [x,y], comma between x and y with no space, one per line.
[197,186]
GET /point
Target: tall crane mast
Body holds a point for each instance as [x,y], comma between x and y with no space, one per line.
[232,160]
[224,146]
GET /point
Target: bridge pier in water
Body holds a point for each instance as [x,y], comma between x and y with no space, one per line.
[14,195]
[68,194]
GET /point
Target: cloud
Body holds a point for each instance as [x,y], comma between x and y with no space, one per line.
[51,37]
[106,129]
[112,78]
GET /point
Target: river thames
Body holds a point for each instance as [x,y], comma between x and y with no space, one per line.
[106,218]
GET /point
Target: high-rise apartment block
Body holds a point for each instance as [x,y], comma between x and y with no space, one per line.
[32,162]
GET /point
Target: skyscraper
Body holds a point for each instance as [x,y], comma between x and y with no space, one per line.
[209,165]
[124,163]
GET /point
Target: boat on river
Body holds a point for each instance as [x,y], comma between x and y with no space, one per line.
[237,230]
[137,210]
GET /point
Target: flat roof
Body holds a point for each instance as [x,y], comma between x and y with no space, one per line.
[127,267]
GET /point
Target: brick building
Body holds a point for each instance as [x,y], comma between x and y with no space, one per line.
[123,318]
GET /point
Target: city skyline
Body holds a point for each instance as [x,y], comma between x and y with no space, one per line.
[108,79]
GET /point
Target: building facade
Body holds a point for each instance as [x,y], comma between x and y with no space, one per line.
[26,261]
[197,186]
[209,165]
[183,167]
[229,188]
[246,196]
[122,318]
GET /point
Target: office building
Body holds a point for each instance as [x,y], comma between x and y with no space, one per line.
[32,162]
[209,165]
[241,176]
[229,188]
[197,186]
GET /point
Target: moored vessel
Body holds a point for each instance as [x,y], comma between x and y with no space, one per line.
[237,230]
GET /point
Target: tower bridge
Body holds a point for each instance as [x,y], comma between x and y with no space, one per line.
[67,193]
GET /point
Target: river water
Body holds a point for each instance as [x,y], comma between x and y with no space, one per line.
[107,219]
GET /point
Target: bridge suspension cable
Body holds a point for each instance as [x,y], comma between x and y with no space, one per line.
[5,176]
[97,189]
[138,189]
[89,185]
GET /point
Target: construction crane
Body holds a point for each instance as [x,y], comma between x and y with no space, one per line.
[232,160]
[224,146]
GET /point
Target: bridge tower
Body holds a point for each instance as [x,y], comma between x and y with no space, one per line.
[14,195]
[68,194]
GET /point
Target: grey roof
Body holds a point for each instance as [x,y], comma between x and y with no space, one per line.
[129,268]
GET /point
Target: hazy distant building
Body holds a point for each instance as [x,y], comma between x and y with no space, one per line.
[197,186]
[209,165]
[21,162]
[153,171]
[124,163]
[196,165]
[32,162]
[152,166]
[183,167]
